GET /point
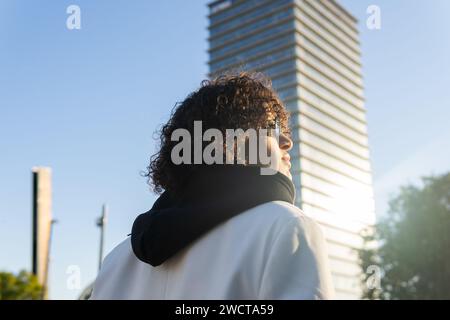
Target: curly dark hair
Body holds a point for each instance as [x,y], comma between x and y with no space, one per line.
[231,101]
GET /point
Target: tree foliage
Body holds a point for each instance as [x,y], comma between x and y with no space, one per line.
[23,286]
[412,244]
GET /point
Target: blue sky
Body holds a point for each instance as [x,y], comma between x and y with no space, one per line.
[86,103]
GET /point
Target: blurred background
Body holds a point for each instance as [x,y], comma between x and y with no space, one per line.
[83,89]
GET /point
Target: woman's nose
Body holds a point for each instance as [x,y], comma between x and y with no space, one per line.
[285,142]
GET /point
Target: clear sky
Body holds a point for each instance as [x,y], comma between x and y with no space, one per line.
[87,102]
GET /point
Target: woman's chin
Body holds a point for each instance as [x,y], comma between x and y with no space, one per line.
[287,173]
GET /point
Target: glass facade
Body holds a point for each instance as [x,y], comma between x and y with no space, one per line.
[310,49]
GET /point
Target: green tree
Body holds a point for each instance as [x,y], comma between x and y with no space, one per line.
[412,244]
[23,286]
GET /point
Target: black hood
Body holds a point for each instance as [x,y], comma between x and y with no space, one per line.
[211,196]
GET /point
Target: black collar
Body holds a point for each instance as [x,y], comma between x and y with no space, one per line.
[211,196]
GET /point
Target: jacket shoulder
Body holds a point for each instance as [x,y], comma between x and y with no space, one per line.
[287,213]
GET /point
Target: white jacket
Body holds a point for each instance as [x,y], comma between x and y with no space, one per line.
[272,251]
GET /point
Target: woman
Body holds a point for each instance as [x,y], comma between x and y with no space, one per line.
[221,230]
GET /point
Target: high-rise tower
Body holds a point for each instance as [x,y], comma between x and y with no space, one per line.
[310,49]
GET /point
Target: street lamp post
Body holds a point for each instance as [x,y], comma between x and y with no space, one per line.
[101,223]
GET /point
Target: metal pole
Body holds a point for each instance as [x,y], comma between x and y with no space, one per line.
[101,222]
